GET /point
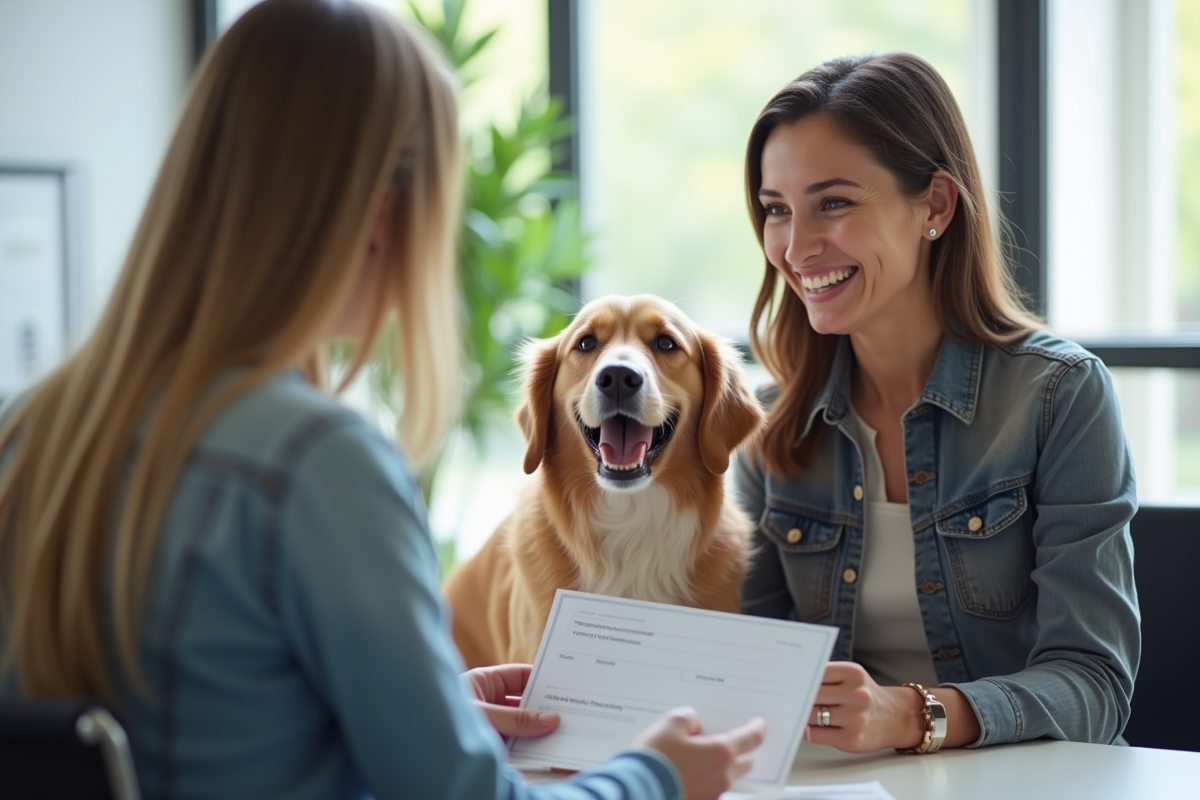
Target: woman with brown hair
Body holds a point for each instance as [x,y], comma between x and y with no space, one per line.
[940,478]
[194,529]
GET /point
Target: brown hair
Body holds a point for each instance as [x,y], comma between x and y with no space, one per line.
[300,119]
[900,109]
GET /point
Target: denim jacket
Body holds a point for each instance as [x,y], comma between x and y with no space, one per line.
[1021,488]
[295,644]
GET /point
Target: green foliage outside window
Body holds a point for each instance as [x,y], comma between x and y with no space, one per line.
[521,246]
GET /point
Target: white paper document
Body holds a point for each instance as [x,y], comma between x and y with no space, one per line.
[611,667]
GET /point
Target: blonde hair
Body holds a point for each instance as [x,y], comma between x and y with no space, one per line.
[900,109]
[300,119]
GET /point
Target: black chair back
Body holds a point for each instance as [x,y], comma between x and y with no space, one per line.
[1166,707]
[63,750]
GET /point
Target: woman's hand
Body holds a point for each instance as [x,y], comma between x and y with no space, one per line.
[498,692]
[864,716]
[707,764]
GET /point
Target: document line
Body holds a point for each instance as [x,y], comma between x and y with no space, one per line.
[744,683]
[708,640]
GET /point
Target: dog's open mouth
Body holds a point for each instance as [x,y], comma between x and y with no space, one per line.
[625,448]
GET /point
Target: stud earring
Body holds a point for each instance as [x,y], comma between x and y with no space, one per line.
[933,233]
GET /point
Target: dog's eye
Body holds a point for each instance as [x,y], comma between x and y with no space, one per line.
[587,343]
[665,343]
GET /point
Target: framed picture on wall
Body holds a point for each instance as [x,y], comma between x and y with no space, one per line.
[39,279]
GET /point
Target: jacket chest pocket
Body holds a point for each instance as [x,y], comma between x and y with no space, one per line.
[808,550]
[990,547]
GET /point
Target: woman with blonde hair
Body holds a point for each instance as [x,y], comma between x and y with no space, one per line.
[193,529]
[940,478]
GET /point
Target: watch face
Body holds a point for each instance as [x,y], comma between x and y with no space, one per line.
[936,714]
[933,718]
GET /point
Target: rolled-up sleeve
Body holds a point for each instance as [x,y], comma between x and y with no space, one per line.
[1079,677]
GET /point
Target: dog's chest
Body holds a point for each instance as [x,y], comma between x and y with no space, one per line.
[646,546]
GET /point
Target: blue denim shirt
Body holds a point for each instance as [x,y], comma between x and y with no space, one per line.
[295,643]
[1021,488]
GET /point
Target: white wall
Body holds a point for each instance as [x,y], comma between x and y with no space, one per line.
[94,84]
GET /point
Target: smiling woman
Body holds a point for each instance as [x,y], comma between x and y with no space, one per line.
[846,244]
[941,479]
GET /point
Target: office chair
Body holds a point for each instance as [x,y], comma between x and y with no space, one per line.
[63,750]
[1166,553]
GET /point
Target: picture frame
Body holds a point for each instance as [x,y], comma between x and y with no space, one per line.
[40,274]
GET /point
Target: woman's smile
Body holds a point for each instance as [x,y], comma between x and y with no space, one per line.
[823,285]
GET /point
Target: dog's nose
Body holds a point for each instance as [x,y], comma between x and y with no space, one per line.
[618,381]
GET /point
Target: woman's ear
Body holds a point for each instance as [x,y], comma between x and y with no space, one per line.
[730,413]
[941,200]
[534,413]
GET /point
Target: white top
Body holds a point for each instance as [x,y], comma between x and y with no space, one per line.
[889,635]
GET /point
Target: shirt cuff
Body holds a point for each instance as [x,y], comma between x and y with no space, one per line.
[995,709]
[663,770]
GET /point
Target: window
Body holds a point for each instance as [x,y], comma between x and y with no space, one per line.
[670,90]
[1123,258]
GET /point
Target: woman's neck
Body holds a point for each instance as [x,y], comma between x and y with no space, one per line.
[894,363]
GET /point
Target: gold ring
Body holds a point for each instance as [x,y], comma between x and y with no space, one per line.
[823,716]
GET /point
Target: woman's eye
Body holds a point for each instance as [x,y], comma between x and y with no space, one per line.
[834,203]
[774,210]
[665,343]
[587,343]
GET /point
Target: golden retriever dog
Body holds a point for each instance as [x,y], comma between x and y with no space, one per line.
[630,417]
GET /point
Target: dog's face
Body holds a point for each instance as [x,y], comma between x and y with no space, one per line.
[634,384]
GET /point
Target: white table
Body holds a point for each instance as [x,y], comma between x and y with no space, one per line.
[1038,770]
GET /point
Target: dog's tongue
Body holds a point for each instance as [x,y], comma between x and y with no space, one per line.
[623,441]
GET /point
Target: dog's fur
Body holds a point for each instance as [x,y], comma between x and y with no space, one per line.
[664,531]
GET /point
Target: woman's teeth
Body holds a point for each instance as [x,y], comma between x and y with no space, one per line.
[824,282]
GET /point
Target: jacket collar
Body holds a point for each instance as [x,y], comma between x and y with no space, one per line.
[953,385]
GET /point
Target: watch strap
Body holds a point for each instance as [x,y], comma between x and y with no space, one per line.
[933,718]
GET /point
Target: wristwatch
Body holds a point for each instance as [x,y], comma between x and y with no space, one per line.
[934,719]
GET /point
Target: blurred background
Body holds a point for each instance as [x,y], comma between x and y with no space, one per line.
[1085,115]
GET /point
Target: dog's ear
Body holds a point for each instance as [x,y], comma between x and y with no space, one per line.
[730,413]
[534,413]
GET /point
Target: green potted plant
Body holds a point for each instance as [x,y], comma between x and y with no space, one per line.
[522,247]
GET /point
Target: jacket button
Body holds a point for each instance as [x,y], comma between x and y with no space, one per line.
[921,477]
[858,493]
[974,524]
[948,652]
[850,576]
[929,587]
[795,535]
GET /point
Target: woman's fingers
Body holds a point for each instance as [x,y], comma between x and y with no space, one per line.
[843,675]
[815,716]
[742,765]
[512,677]
[685,719]
[832,737]
[748,736]
[496,684]
[519,722]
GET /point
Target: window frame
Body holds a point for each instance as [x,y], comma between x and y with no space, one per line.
[1023,133]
